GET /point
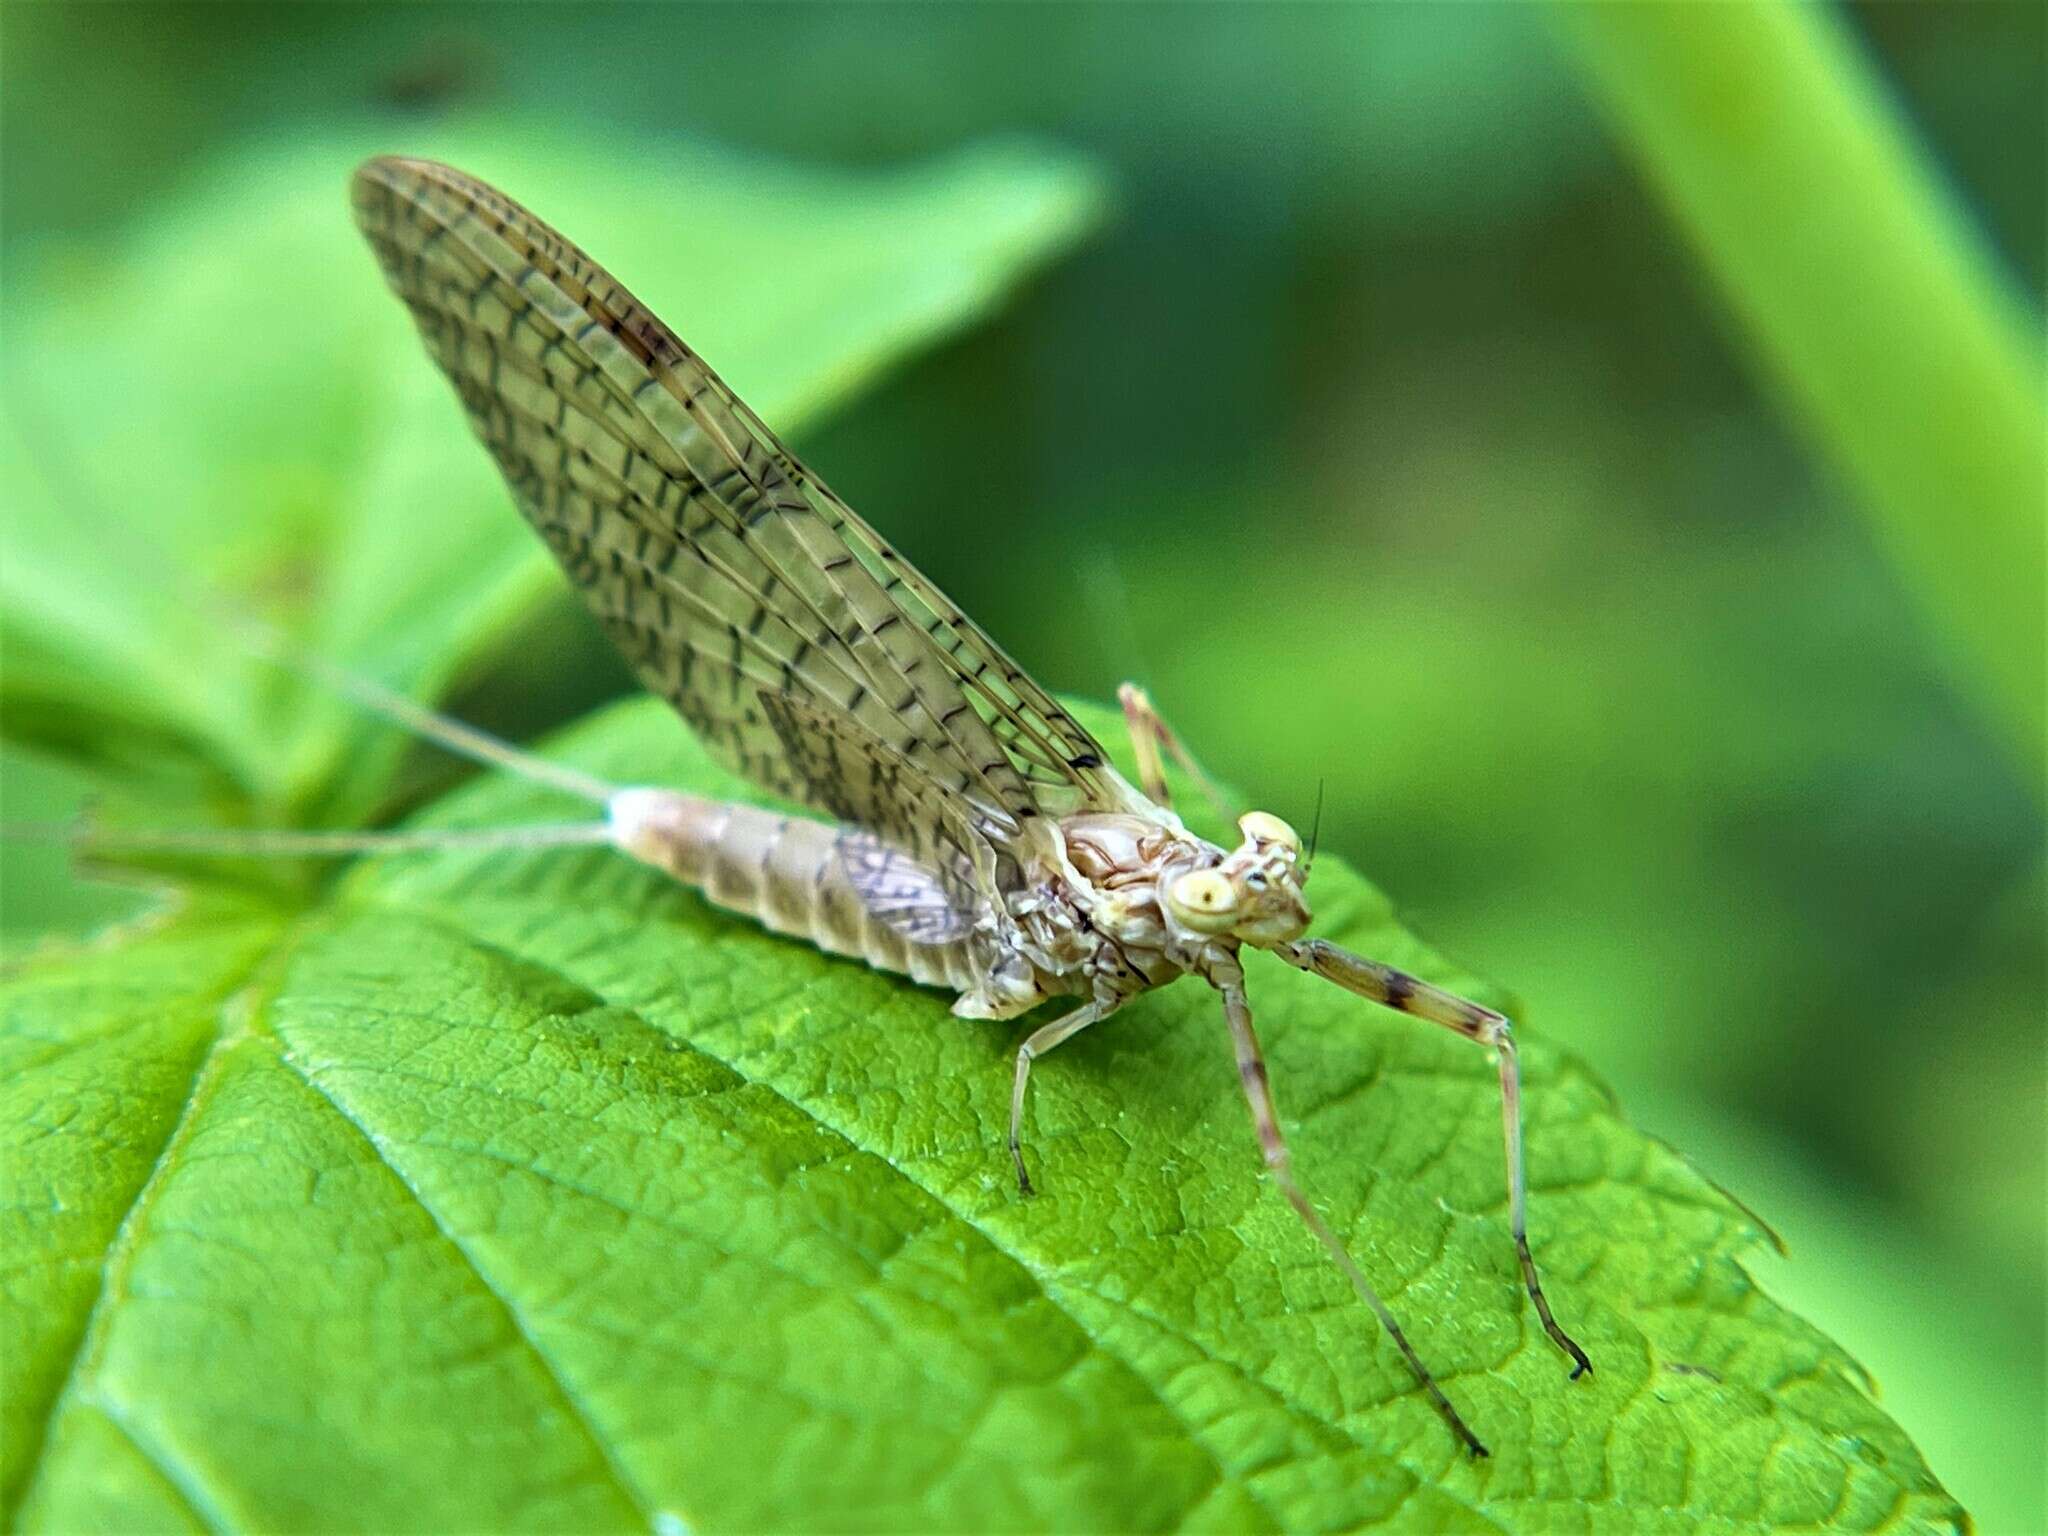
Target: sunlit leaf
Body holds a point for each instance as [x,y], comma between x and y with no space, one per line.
[529,1190]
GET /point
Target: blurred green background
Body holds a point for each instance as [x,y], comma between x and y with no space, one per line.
[1394,433]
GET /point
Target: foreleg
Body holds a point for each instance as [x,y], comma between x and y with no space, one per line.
[1258,1091]
[1411,995]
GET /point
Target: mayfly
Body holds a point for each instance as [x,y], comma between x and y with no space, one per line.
[977,837]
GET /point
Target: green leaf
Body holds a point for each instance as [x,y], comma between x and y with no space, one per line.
[495,1191]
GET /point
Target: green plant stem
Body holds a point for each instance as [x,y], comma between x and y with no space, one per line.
[1870,301]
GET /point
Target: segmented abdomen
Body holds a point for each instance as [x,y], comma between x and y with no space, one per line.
[783,871]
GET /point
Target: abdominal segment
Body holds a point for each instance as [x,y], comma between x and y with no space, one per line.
[786,872]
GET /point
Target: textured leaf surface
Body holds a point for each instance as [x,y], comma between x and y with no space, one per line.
[530,1191]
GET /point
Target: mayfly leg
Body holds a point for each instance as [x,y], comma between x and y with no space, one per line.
[1149,733]
[1258,1091]
[1411,995]
[1040,1041]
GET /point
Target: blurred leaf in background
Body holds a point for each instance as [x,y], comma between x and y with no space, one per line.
[1390,436]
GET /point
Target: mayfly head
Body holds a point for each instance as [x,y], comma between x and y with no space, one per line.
[1254,894]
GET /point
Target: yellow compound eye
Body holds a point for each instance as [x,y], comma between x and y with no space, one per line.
[1203,900]
[1259,827]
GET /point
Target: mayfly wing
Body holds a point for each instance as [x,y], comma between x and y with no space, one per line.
[1046,743]
[723,569]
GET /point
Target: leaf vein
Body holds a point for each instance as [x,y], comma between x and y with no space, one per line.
[161,1463]
[579,1412]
